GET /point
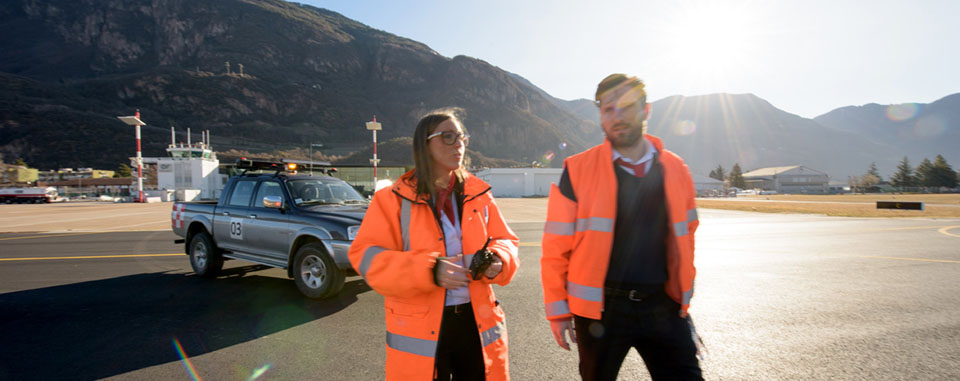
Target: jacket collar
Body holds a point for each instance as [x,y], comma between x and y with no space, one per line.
[406,187]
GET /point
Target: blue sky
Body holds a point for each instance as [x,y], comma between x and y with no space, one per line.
[805,57]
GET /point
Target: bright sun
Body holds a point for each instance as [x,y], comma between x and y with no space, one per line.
[709,41]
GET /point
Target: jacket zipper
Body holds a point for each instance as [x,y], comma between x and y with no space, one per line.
[443,238]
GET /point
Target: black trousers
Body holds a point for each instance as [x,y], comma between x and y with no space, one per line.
[652,326]
[459,352]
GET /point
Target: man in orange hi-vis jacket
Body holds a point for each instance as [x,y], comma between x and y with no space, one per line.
[617,265]
[416,246]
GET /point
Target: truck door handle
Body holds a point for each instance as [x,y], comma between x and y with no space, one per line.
[226,213]
[253,216]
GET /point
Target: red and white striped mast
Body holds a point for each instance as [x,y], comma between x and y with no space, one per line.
[139,162]
[374,126]
[136,122]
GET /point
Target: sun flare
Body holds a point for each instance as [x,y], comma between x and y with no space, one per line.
[709,41]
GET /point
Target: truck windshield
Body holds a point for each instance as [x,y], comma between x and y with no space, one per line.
[316,191]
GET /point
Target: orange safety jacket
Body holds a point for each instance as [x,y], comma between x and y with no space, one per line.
[578,235]
[395,252]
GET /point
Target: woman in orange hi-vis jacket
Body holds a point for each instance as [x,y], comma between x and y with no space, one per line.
[415,247]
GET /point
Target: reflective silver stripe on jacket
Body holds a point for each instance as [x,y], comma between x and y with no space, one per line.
[368,256]
[405,223]
[593,294]
[599,224]
[687,296]
[559,228]
[493,334]
[680,228]
[557,308]
[421,347]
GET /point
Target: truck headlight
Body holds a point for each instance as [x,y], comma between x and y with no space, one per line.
[352,232]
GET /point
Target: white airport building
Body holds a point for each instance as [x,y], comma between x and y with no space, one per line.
[520,182]
[789,179]
[706,185]
[190,171]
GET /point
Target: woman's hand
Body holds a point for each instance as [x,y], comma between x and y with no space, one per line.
[449,274]
[495,267]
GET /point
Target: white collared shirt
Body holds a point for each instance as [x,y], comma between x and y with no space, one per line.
[646,159]
[454,244]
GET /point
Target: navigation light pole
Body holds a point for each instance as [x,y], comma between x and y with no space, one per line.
[136,122]
[374,126]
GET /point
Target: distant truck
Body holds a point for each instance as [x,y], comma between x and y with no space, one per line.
[298,222]
[35,195]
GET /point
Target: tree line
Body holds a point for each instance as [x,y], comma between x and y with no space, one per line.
[734,178]
[928,175]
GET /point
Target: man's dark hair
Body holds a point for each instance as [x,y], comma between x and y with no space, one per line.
[616,80]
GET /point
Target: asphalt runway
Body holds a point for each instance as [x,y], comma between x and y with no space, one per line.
[778,296]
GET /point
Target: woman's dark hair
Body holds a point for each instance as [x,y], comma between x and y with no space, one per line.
[423,161]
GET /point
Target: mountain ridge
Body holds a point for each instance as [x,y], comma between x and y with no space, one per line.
[311,75]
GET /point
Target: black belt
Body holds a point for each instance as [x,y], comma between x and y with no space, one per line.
[634,295]
[458,309]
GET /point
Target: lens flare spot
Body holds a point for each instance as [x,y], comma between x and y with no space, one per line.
[929,127]
[279,318]
[901,112]
[631,96]
[544,160]
[683,127]
[259,372]
[563,145]
[596,329]
[185,359]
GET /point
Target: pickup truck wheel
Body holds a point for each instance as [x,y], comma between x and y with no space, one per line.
[204,256]
[315,273]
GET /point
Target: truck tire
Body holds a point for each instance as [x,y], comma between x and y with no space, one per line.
[315,273]
[204,256]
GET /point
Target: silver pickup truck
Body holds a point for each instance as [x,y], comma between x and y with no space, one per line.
[302,223]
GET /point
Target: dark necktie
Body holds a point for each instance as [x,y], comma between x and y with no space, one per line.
[443,200]
[638,169]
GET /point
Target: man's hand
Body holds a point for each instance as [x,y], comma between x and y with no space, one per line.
[450,275]
[496,266]
[561,328]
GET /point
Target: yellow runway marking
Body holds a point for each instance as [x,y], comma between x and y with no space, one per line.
[916,259]
[940,228]
[534,244]
[49,235]
[945,228]
[908,228]
[91,257]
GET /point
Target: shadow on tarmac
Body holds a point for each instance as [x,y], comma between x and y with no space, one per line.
[103,328]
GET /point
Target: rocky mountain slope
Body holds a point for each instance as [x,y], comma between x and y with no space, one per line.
[308,75]
[269,76]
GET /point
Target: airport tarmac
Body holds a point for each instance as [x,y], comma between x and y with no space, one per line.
[778,296]
[94,216]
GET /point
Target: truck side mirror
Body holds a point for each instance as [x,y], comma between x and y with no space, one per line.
[274,202]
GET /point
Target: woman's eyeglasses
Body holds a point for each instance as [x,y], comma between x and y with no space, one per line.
[450,138]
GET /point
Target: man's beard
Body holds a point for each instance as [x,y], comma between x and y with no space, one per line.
[629,137]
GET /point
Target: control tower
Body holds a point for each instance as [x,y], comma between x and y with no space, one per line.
[191,170]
